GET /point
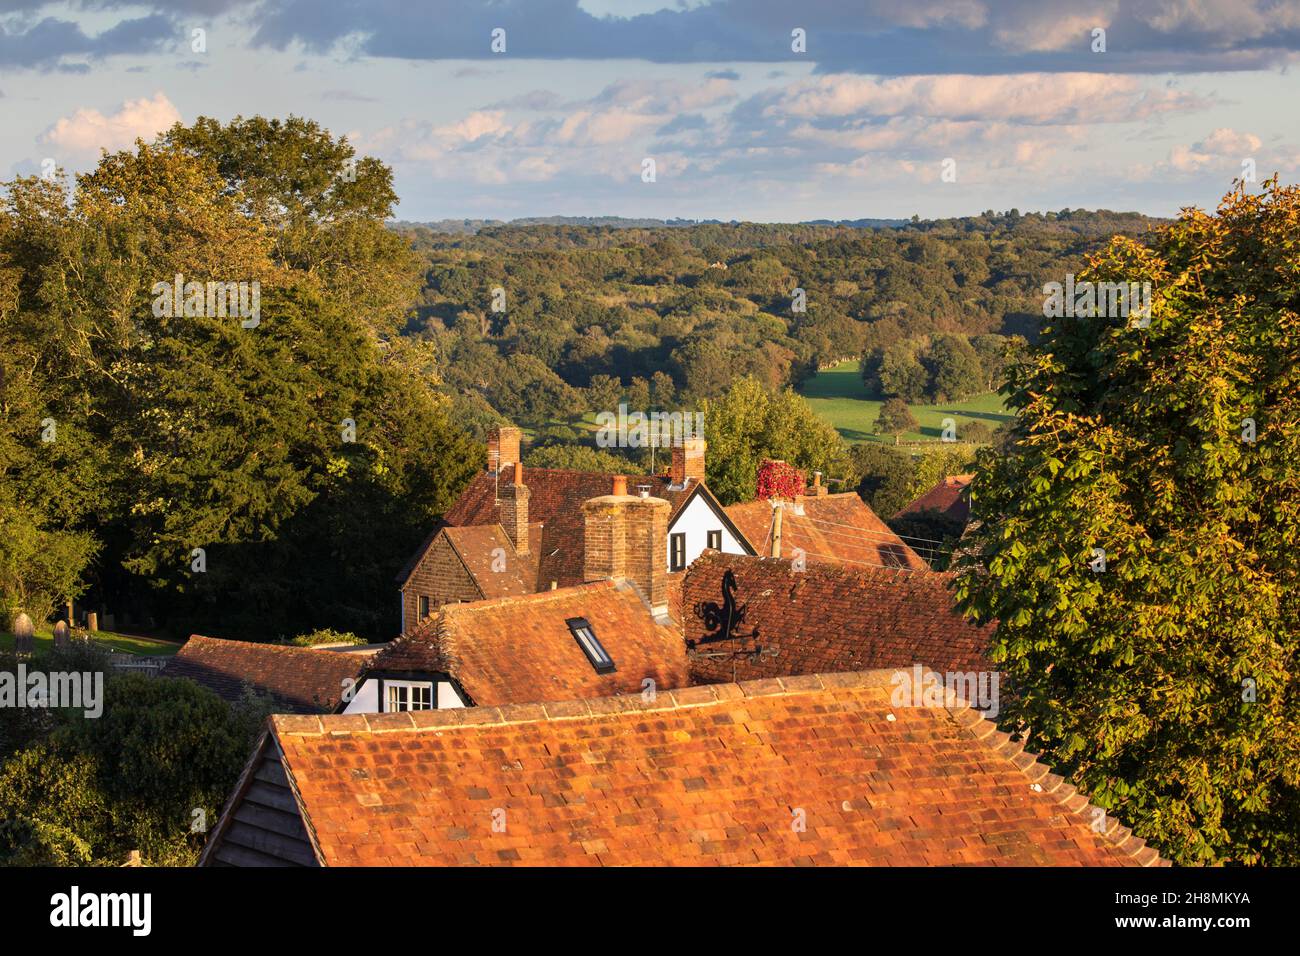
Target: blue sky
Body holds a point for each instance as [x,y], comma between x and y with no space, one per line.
[739,124]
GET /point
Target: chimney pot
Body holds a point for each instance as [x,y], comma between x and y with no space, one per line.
[620,485]
[519,473]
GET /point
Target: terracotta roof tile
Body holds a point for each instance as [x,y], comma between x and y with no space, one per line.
[476,544]
[691,779]
[825,618]
[837,529]
[299,679]
[950,497]
[520,649]
[555,500]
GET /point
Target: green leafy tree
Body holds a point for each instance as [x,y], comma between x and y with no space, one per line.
[290,446]
[604,392]
[40,567]
[884,476]
[578,458]
[939,461]
[953,368]
[894,418]
[748,424]
[996,353]
[129,779]
[1164,681]
[901,374]
[323,207]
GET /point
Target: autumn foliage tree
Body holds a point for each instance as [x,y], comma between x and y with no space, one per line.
[1140,548]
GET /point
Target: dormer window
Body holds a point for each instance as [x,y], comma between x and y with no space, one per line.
[677,551]
[408,696]
[591,646]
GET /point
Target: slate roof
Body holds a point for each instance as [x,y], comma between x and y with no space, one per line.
[519,649]
[826,618]
[951,497]
[555,501]
[301,680]
[717,775]
[840,529]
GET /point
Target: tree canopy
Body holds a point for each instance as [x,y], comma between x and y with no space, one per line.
[226,469]
[1140,544]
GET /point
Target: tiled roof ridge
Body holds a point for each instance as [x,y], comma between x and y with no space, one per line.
[575,471]
[430,623]
[280,648]
[829,570]
[536,597]
[1038,775]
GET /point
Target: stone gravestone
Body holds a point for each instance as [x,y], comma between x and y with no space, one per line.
[92,621]
[61,634]
[24,634]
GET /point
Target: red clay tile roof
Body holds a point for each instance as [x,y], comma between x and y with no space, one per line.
[555,500]
[520,649]
[301,680]
[951,496]
[840,529]
[826,618]
[475,544]
[701,776]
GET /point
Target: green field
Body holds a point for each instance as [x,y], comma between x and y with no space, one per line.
[838,395]
[122,643]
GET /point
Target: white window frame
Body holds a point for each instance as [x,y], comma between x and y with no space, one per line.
[409,693]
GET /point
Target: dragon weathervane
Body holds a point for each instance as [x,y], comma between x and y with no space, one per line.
[723,622]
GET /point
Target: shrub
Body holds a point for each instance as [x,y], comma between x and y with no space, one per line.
[323,635]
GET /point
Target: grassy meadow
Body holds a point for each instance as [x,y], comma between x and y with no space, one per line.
[838,395]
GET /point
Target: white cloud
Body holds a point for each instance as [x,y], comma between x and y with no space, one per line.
[88,130]
[1022,97]
[1222,151]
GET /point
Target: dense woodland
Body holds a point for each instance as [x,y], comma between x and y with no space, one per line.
[670,316]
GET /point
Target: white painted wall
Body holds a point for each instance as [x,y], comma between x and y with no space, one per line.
[447,696]
[366,700]
[697,520]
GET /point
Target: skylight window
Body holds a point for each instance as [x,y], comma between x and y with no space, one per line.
[591,646]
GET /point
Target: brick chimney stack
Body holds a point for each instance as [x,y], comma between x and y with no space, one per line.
[626,539]
[647,550]
[688,461]
[514,510]
[503,449]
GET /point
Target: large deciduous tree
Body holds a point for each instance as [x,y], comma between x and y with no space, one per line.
[748,424]
[303,453]
[1140,548]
